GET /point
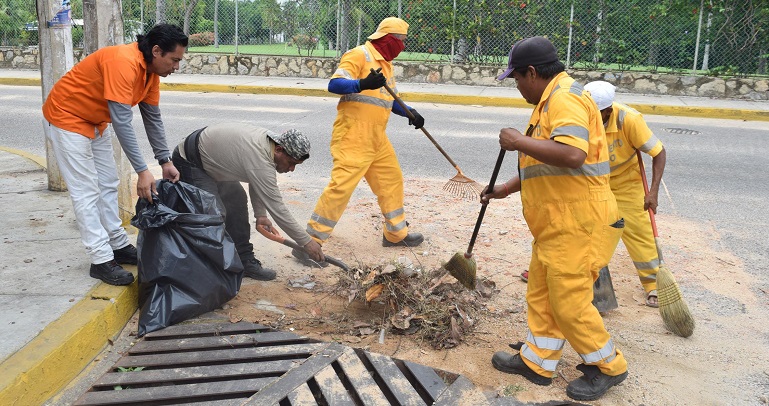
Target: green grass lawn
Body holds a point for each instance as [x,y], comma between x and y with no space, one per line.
[286,50]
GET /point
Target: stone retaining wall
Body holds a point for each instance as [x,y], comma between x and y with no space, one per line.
[288,66]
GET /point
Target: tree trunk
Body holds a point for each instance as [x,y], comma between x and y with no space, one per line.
[344,43]
[160,12]
[360,23]
[187,14]
[216,24]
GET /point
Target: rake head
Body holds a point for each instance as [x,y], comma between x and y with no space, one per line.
[464,187]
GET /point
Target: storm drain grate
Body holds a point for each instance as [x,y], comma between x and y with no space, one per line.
[251,364]
[683,131]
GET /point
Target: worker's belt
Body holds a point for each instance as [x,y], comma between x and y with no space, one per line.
[192,148]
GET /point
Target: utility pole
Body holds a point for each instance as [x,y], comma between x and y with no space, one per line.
[56,58]
[102,27]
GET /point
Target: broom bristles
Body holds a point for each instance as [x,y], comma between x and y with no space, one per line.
[674,311]
[463,269]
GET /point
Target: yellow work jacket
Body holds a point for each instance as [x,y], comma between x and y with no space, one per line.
[373,106]
[566,114]
[626,132]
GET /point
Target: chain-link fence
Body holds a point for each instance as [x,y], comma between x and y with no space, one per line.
[715,37]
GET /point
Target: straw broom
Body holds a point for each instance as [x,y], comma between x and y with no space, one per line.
[674,311]
[460,184]
[462,266]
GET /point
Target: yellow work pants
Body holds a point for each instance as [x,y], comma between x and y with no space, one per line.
[361,149]
[572,240]
[638,235]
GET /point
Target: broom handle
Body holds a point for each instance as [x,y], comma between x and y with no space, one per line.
[493,180]
[651,212]
[411,116]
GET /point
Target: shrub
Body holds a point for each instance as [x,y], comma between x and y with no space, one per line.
[201,39]
[305,42]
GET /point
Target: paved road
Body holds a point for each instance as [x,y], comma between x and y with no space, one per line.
[716,172]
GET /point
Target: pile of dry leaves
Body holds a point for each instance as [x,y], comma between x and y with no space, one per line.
[428,303]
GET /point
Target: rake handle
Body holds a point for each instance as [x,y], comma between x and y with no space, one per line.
[651,212]
[478,222]
[411,116]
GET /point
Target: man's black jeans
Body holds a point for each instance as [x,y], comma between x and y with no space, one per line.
[230,196]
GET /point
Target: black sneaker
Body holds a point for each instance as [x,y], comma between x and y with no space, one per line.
[513,364]
[593,384]
[126,255]
[112,273]
[305,259]
[411,240]
[252,268]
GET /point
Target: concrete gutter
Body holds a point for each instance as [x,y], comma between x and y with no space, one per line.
[513,102]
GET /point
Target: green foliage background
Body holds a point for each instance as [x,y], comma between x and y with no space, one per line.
[654,35]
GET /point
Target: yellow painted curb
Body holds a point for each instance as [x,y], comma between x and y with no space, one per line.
[24,154]
[684,111]
[20,81]
[704,112]
[65,347]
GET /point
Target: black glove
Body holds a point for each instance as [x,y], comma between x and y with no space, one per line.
[418,121]
[373,80]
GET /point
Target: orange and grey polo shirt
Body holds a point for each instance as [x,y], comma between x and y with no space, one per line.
[78,101]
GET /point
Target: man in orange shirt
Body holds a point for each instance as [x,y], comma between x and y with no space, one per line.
[100,90]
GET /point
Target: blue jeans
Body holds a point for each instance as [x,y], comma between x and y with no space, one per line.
[231,198]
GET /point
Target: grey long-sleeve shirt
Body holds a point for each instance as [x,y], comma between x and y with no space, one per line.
[244,153]
[122,115]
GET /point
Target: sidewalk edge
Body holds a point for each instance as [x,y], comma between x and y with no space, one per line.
[40,161]
[685,111]
[65,347]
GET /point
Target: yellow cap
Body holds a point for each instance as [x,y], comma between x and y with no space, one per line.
[390,25]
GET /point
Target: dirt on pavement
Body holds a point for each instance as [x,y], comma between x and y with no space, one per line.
[723,362]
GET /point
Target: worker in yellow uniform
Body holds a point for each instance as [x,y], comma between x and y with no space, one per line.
[627,132]
[359,146]
[567,202]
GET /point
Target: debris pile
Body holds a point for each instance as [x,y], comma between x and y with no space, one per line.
[427,303]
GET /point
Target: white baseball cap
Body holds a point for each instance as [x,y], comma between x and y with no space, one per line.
[602,92]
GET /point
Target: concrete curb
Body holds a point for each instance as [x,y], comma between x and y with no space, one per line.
[40,161]
[685,111]
[65,347]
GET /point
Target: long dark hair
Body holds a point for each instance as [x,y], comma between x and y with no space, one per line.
[166,36]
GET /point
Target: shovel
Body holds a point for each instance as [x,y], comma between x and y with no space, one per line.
[603,292]
[289,243]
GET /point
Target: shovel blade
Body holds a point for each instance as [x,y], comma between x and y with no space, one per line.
[604,298]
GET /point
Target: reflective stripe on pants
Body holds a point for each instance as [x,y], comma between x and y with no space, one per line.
[361,150]
[560,288]
[638,236]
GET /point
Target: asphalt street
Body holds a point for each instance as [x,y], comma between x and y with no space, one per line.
[716,171]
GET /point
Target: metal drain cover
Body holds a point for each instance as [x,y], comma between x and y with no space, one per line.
[684,131]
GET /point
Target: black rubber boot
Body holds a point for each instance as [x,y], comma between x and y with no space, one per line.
[593,384]
[112,273]
[513,364]
[411,240]
[252,268]
[126,255]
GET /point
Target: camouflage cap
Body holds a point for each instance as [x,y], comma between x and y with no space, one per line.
[296,144]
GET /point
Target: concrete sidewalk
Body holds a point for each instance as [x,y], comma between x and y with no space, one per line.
[55,319]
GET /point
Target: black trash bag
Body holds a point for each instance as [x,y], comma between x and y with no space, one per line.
[188,264]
